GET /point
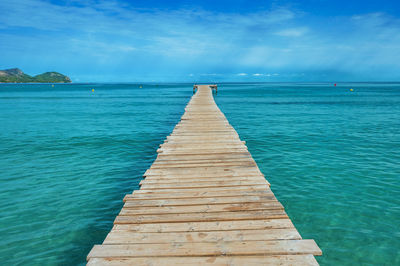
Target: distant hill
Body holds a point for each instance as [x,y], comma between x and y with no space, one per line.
[52,77]
[15,75]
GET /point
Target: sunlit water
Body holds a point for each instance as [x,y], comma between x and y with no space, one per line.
[68,156]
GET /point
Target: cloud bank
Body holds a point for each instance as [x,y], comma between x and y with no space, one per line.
[116,41]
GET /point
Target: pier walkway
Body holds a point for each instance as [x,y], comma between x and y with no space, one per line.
[203,202]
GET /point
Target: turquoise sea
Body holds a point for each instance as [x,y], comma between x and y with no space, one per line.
[68,156]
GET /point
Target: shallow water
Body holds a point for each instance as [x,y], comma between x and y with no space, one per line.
[68,156]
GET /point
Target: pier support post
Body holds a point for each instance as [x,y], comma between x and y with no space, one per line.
[214,87]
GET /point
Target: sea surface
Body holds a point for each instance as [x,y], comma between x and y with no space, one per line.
[68,155]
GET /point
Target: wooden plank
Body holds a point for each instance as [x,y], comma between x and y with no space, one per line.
[203,208]
[207,189]
[201,131]
[202,175]
[153,180]
[201,217]
[212,147]
[210,172]
[278,247]
[195,127]
[180,186]
[213,171]
[187,159]
[123,237]
[165,161]
[203,138]
[207,226]
[202,151]
[202,165]
[205,171]
[185,178]
[134,202]
[207,180]
[139,194]
[221,155]
[158,183]
[180,142]
[218,134]
[282,260]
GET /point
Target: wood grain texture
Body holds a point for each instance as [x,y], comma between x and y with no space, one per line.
[203,202]
[282,260]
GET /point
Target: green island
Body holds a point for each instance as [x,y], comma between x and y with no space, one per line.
[15,75]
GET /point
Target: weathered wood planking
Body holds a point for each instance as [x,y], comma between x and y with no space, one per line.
[203,202]
[209,260]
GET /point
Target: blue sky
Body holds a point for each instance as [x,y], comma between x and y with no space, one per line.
[189,41]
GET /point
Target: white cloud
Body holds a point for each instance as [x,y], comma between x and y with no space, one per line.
[114,34]
[292,32]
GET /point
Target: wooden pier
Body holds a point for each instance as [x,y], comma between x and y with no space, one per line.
[203,202]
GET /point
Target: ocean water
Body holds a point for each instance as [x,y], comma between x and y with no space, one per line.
[68,156]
